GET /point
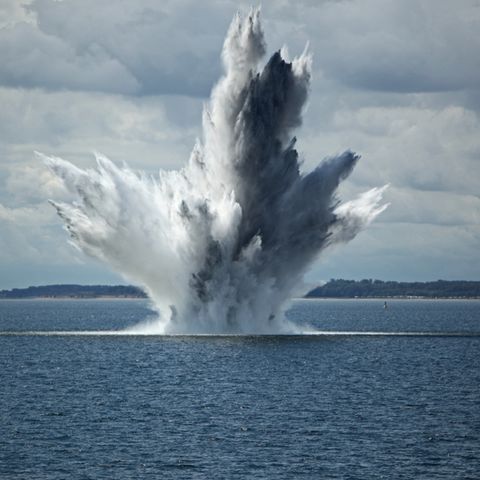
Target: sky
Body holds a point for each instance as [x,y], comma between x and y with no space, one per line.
[396,81]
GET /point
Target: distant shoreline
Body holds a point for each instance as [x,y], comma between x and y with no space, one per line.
[334,289]
[74,298]
[387,298]
[76,292]
[293,298]
[368,288]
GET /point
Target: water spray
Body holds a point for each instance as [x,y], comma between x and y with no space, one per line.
[220,244]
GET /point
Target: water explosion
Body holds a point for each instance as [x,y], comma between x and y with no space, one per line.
[220,245]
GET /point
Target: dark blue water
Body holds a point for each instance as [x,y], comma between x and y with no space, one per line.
[319,407]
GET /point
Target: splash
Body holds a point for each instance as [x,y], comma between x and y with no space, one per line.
[220,245]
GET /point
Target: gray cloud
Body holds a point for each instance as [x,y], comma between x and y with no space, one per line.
[417,145]
[33,59]
[405,251]
[146,132]
[121,47]
[395,81]
[408,46]
[172,47]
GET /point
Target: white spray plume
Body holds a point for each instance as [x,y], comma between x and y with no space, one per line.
[220,245]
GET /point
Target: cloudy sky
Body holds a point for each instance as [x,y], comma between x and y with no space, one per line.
[396,81]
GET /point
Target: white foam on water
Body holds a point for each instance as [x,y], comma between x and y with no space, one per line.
[320,333]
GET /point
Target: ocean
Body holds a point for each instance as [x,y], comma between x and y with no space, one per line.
[381,394]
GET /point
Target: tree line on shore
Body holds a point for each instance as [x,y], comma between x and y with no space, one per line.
[335,288]
[368,288]
[74,291]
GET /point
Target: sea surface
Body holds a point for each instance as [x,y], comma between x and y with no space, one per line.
[328,406]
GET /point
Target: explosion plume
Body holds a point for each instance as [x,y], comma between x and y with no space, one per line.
[220,245]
